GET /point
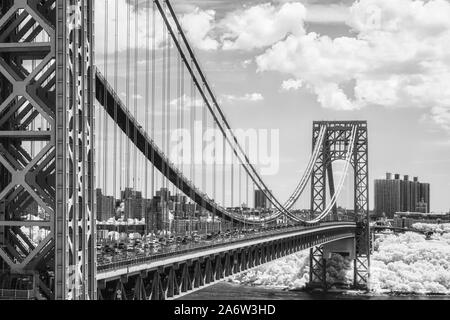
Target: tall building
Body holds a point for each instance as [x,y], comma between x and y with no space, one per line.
[157,210]
[261,201]
[106,206]
[387,196]
[400,195]
[134,204]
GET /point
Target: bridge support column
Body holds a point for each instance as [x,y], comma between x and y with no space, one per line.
[317,268]
[46,94]
[335,146]
[346,248]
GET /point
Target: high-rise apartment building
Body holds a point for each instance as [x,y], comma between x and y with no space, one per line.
[400,195]
[106,206]
[261,201]
[134,204]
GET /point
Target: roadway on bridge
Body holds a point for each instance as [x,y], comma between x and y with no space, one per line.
[124,264]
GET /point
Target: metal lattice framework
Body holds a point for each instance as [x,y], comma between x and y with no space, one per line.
[317,267]
[47,80]
[28,92]
[335,146]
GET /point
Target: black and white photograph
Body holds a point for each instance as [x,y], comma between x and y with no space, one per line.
[223,155]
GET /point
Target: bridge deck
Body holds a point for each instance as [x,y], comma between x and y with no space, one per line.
[309,236]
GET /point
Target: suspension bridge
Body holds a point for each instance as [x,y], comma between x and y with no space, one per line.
[90,92]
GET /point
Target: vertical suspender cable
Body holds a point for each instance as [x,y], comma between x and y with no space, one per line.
[232,180]
[163,133]
[121,135]
[169,61]
[135,97]
[98,155]
[247,189]
[192,127]
[116,27]
[153,94]
[182,124]
[127,163]
[194,120]
[117,135]
[204,165]
[214,167]
[146,110]
[224,149]
[178,100]
[105,119]
[169,107]
[240,185]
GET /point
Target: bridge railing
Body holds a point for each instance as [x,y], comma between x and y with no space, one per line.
[198,247]
[16,294]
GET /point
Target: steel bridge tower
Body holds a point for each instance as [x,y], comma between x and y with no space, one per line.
[46,147]
[334,148]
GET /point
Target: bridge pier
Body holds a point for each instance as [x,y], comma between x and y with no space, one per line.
[319,256]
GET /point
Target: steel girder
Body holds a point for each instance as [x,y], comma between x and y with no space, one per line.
[317,267]
[176,279]
[75,256]
[46,145]
[27,153]
[335,146]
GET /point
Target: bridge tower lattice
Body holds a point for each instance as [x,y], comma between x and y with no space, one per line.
[334,148]
[46,146]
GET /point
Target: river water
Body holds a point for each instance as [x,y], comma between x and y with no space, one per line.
[231,291]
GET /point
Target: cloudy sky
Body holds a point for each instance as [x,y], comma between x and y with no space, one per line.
[381,60]
[283,64]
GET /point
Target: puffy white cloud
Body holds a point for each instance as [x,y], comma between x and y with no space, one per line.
[246,63]
[187,102]
[248,97]
[399,57]
[198,25]
[132,96]
[330,13]
[291,84]
[262,25]
[441,116]
[398,54]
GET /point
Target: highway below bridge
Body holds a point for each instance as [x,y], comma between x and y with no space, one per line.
[194,267]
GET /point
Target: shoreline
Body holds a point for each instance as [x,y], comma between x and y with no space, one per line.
[235,291]
[343,291]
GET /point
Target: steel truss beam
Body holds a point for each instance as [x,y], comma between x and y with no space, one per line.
[317,267]
[172,280]
[335,147]
[46,173]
